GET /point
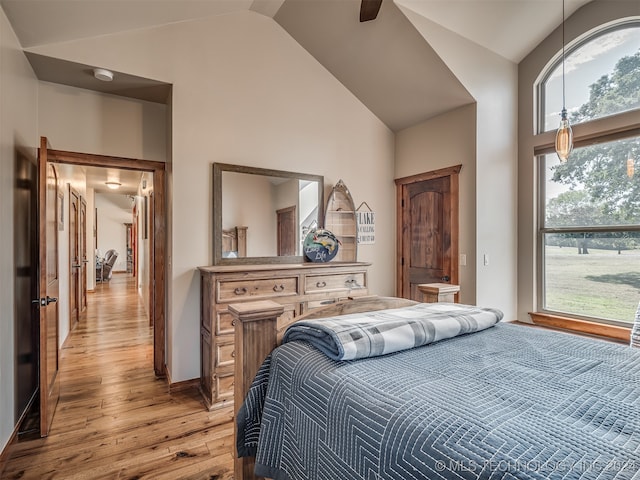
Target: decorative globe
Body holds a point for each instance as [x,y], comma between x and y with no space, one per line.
[320,245]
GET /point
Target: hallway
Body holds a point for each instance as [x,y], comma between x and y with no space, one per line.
[115,420]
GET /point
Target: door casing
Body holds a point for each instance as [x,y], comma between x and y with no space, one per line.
[158,234]
[451,175]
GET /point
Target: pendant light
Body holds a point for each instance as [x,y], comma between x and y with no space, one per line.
[564,135]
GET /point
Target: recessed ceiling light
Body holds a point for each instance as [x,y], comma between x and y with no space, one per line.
[102,74]
[113,185]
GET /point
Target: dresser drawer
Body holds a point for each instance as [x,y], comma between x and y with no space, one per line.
[312,305]
[287,318]
[236,290]
[331,283]
[224,388]
[225,351]
[224,323]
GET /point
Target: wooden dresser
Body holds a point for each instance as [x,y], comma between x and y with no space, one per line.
[298,287]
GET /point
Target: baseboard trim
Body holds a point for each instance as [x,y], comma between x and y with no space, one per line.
[184,385]
[180,386]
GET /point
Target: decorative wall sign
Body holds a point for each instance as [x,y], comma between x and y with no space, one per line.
[366,225]
[320,245]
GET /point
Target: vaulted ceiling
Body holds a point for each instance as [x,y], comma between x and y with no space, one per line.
[385,62]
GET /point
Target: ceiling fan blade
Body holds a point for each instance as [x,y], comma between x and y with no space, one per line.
[369,9]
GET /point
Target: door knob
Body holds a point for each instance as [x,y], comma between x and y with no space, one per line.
[43,302]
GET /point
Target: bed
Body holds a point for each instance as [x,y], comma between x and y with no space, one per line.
[504,402]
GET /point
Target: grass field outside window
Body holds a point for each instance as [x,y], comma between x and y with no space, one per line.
[601,284]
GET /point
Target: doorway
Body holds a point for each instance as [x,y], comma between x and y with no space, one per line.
[156,233]
[287,228]
[427,230]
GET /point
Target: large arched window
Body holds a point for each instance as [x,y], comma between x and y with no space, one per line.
[601,77]
[589,221]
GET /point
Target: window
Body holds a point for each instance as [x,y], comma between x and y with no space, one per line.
[591,232]
[599,78]
[589,222]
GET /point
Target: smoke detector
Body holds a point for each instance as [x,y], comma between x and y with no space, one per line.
[102,74]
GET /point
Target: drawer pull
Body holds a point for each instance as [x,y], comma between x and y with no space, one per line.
[240,291]
[233,322]
[352,283]
[321,284]
[278,288]
[233,354]
[328,302]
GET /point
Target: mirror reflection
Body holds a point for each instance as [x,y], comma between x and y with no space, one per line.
[263,215]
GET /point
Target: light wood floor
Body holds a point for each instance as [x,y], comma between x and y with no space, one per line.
[115,420]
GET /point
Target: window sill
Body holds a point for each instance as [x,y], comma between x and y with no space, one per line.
[611,332]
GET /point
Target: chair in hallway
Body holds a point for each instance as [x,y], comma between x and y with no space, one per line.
[103,272]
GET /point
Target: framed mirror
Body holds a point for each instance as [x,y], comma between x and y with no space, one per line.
[262,215]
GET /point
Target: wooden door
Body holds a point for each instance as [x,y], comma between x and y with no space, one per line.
[427,231]
[82,240]
[287,231]
[74,258]
[48,217]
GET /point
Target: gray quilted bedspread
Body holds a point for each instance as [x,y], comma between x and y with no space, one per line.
[509,402]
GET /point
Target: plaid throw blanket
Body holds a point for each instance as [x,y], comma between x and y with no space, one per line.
[370,334]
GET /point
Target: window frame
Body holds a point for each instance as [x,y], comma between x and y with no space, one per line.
[603,129]
[542,229]
[556,61]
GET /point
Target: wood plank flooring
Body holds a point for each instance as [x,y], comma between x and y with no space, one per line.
[115,420]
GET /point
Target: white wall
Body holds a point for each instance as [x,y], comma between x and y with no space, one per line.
[244,92]
[248,200]
[79,120]
[114,210]
[492,81]
[64,265]
[91,239]
[253,200]
[143,259]
[18,132]
[445,141]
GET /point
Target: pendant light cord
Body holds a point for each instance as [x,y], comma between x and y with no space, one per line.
[563,88]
